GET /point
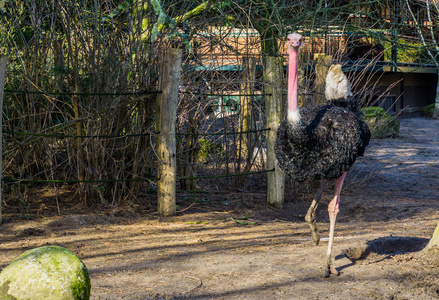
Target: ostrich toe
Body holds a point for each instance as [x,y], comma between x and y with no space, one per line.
[329,268]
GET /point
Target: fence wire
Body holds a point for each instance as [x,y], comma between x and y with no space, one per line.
[80,103]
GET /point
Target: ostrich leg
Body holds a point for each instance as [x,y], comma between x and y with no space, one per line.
[333,209]
[310,217]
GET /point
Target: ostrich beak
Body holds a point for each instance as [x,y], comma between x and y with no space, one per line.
[294,40]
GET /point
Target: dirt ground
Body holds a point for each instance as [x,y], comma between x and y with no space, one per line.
[230,245]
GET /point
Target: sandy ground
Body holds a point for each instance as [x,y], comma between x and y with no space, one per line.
[245,250]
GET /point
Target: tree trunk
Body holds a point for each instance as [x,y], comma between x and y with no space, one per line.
[273,107]
[245,117]
[436,103]
[190,150]
[323,62]
[166,147]
[3,63]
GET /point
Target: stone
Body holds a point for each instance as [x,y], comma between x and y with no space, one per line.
[48,272]
[427,111]
[432,248]
[381,124]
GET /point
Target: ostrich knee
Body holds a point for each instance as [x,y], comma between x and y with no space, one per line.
[333,209]
[310,217]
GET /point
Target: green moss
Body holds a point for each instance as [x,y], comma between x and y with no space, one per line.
[81,290]
[381,124]
[209,149]
[49,272]
[427,111]
[409,51]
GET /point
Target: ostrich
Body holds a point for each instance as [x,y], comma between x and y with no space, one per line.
[320,142]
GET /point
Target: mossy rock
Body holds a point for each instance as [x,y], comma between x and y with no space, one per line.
[432,248]
[427,111]
[49,272]
[381,124]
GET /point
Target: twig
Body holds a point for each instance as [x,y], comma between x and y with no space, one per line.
[242,222]
[197,287]
[179,211]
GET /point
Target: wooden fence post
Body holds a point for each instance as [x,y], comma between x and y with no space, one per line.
[169,83]
[322,64]
[3,63]
[273,75]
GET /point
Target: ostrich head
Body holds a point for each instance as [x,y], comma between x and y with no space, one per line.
[294,40]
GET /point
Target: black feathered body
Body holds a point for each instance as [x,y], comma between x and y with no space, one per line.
[350,103]
[323,145]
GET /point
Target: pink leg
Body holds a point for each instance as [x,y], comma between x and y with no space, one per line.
[333,209]
[310,217]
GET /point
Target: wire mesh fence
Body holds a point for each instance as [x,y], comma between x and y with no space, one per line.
[80,106]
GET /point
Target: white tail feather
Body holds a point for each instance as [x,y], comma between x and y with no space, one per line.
[337,84]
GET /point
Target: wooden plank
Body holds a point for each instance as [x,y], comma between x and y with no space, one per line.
[273,75]
[169,82]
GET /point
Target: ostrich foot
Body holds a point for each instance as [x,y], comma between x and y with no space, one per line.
[311,220]
[329,268]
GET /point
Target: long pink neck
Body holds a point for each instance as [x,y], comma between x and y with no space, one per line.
[293,106]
